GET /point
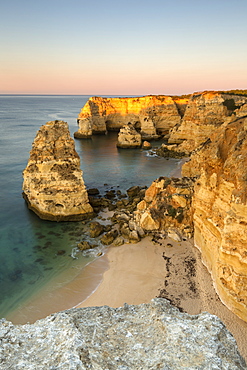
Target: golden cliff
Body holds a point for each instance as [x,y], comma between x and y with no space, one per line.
[220,211]
[204,113]
[151,115]
[213,204]
[53,185]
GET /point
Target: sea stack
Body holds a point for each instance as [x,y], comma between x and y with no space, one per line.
[128,137]
[53,186]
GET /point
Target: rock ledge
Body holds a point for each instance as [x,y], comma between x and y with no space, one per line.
[147,336]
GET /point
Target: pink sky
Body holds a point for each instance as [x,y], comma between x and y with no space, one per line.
[100,48]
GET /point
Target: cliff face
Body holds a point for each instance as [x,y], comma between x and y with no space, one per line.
[220,211]
[204,113]
[148,336]
[153,115]
[53,185]
[167,206]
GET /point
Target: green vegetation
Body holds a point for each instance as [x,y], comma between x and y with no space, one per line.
[234,92]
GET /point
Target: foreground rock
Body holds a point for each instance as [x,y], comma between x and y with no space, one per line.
[153,115]
[220,211]
[53,185]
[147,336]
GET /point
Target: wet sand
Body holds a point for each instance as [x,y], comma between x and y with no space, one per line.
[57,296]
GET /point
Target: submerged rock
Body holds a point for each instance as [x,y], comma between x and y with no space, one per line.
[53,186]
[147,336]
[146,145]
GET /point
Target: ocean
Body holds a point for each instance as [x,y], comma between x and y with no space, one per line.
[35,253]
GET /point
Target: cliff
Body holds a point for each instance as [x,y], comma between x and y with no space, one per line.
[220,211]
[148,336]
[204,113]
[53,185]
[152,115]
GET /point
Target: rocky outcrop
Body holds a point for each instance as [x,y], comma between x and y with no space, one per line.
[167,206]
[128,137]
[53,185]
[152,115]
[148,336]
[204,113]
[220,211]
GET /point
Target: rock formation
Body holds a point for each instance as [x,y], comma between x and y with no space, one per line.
[128,137]
[53,185]
[204,113]
[152,115]
[220,211]
[148,336]
[167,206]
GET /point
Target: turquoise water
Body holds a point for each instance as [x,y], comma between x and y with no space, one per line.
[30,248]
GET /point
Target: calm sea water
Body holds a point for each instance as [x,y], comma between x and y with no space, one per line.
[29,247]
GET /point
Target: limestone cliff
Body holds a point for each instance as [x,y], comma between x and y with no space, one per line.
[148,336]
[220,211]
[167,206]
[152,115]
[53,185]
[204,113]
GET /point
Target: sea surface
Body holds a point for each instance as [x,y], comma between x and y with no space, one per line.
[34,252]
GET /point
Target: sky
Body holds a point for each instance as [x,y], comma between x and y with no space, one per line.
[122,47]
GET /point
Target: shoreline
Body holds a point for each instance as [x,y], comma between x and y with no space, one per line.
[135,275]
[173,270]
[56,297]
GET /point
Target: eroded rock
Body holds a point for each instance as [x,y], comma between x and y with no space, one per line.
[167,204]
[220,211]
[152,115]
[128,137]
[53,185]
[147,336]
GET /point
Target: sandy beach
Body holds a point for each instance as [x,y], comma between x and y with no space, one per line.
[173,270]
[135,275]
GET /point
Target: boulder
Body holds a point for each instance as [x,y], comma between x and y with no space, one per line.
[133,191]
[167,204]
[146,145]
[84,245]
[109,237]
[95,229]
